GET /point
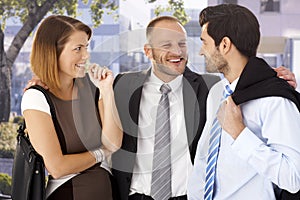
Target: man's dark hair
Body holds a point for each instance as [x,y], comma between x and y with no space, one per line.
[235,22]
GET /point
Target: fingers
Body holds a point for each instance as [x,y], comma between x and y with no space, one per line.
[106,72]
[29,84]
[293,83]
[280,68]
[283,71]
[98,72]
[230,118]
[35,81]
[286,74]
[290,78]
[230,101]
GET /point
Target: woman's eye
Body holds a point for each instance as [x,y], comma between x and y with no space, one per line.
[77,49]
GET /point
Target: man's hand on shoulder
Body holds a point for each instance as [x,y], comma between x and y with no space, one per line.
[35,81]
[286,74]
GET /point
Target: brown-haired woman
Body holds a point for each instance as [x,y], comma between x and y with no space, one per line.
[76,158]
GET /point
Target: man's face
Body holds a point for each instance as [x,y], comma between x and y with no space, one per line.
[168,49]
[214,61]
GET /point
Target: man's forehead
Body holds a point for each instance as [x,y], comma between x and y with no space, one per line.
[166,33]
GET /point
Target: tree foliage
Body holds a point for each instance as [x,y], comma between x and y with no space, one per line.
[8,134]
[5,184]
[176,7]
[31,12]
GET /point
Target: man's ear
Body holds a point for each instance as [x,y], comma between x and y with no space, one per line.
[148,51]
[225,45]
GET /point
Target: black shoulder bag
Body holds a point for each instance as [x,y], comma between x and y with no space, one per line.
[28,173]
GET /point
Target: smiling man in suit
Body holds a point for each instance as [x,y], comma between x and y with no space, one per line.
[138,94]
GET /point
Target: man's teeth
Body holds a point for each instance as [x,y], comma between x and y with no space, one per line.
[175,60]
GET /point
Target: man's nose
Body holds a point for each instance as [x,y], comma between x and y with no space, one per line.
[176,50]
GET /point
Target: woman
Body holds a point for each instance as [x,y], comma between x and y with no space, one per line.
[74,158]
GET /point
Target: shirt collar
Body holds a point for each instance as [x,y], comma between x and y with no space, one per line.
[174,84]
[231,85]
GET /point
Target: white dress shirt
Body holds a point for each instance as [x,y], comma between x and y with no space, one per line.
[267,151]
[180,157]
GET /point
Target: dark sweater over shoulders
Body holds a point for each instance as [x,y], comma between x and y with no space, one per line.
[259,80]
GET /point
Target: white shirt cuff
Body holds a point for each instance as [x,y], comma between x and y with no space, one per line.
[245,144]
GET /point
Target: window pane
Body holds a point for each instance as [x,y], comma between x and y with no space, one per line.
[228,1]
[270,6]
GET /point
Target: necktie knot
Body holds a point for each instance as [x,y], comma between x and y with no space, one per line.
[165,89]
[227,91]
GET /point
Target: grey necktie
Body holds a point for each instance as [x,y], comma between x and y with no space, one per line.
[161,170]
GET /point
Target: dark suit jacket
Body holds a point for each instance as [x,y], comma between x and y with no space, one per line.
[128,89]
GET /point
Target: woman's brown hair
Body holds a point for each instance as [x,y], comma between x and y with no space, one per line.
[48,44]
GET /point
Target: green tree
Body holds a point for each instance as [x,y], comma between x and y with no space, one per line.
[31,12]
[5,184]
[8,141]
[176,7]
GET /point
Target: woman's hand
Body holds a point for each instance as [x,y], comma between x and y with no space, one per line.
[101,77]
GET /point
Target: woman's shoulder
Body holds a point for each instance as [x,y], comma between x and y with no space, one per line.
[35,100]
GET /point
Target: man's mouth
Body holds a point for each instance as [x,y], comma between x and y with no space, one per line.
[175,60]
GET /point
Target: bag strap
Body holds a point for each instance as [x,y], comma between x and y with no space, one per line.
[22,127]
[51,105]
[49,101]
[57,127]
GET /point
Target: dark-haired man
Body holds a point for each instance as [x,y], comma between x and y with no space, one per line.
[250,149]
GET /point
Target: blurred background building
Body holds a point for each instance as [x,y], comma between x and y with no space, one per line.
[118,42]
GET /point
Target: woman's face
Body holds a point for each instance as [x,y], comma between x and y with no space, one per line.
[74,56]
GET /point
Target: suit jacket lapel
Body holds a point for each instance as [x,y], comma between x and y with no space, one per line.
[191,106]
[136,87]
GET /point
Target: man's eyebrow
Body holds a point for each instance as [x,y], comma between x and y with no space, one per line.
[165,41]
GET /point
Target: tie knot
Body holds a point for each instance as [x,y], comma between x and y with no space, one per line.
[227,91]
[165,89]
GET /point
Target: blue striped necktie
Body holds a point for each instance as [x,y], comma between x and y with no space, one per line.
[214,145]
[161,171]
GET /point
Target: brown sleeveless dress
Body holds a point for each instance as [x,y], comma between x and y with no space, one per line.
[80,131]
